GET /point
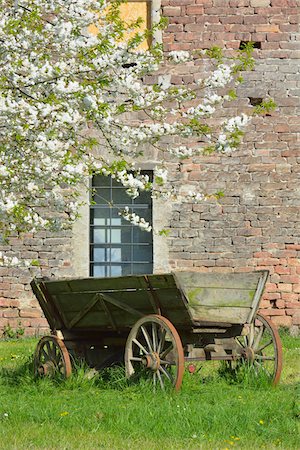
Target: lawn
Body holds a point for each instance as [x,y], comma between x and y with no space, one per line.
[210,412]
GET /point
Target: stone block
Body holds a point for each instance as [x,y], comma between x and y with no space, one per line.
[171,11]
[282,321]
[12,312]
[39,322]
[259,3]
[29,313]
[296,318]
[267,28]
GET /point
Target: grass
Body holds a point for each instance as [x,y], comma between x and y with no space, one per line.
[210,411]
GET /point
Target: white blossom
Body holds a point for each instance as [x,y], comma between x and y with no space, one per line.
[71,104]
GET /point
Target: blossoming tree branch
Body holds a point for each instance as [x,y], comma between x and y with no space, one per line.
[72,83]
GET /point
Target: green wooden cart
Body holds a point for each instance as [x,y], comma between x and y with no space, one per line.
[158,324]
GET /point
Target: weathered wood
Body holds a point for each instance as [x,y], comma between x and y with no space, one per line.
[130,282]
[239,281]
[232,315]
[218,297]
[121,305]
[83,312]
[188,299]
[108,313]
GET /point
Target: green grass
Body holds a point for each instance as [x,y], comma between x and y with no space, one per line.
[210,411]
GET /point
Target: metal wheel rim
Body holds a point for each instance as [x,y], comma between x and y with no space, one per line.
[159,348]
[263,352]
[52,356]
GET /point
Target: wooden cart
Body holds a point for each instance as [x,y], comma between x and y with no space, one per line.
[158,324]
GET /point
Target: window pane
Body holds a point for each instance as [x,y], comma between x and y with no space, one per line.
[145,213]
[101,236]
[116,271]
[117,246]
[99,255]
[127,269]
[141,236]
[100,216]
[120,197]
[142,268]
[99,271]
[116,222]
[142,253]
[143,198]
[115,236]
[101,181]
[115,255]
[102,196]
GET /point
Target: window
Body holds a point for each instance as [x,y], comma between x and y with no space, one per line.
[117,247]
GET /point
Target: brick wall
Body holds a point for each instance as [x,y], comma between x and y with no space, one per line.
[18,307]
[257,225]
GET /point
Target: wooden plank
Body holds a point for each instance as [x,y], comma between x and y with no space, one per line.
[76,301]
[83,312]
[174,307]
[247,280]
[45,303]
[130,282]
[152,295]
[218,297]
[231,314]
[108,313]
[162,281]
[258,295]
[121,305]
[96,319]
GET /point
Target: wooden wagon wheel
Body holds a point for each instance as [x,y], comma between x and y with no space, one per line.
[262,348]
[154,350]
[52,358]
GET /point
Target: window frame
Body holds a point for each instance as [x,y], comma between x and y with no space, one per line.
[111,222]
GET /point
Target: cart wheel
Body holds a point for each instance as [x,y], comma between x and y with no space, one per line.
[154,350]
[262,348]
[51,358]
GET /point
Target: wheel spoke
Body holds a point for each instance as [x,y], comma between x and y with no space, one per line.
[151,342]
[58,356]
[147,339]
[140,346]
[48,349]
[264,352]
[265,358]
[166,373]
[261,367]
[154,377]
[52,352]
[258,337]
[160,380]
[46,356]
[260,349]
[166,351]
[162,341]
[250,336]
[154,337]
[169,363]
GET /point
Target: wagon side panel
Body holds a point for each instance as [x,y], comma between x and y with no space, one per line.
[232,298]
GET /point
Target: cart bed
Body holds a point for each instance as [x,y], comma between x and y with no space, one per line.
[187,299]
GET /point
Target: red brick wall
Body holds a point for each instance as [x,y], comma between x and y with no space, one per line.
[258,225]
[18,307]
